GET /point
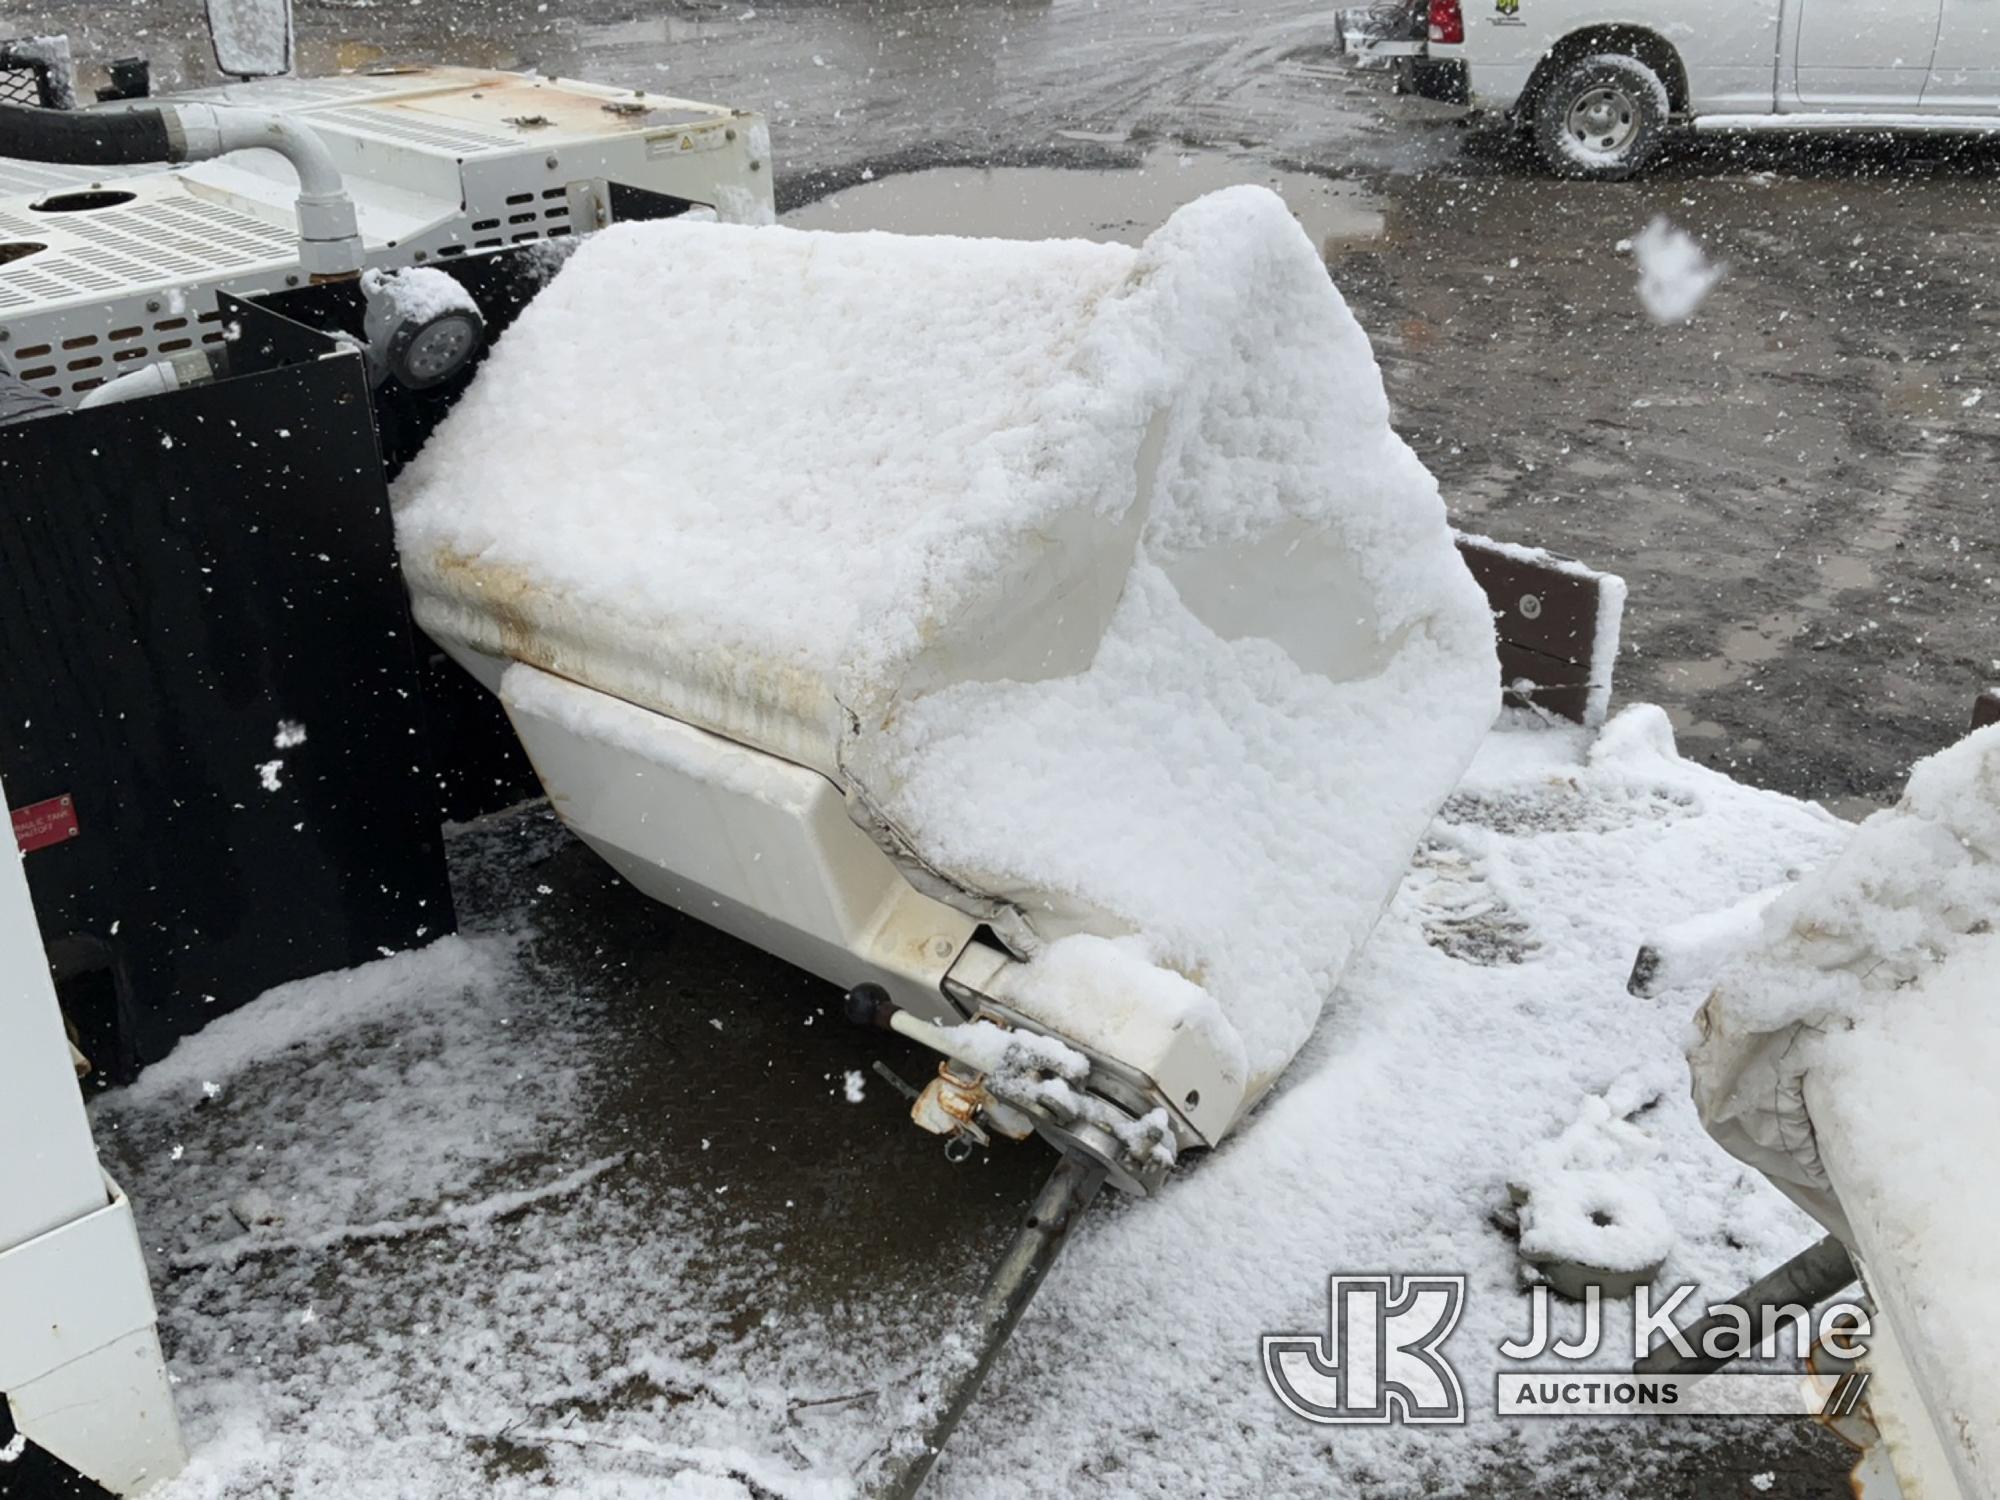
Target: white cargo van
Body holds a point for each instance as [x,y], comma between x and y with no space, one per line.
[1600,82]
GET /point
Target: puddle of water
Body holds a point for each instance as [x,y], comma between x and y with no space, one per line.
[1842,573]
[1706,674]
[1121,204]
[1745,647]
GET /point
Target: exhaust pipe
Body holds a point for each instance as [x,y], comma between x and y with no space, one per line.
[329,232]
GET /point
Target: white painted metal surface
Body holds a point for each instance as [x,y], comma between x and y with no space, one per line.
[1729,47]
[1872,54]
[441,163]
[1965,70]
[80,1363]
[1834,124]
[767,851]
[757,846]
[1935,1430]
[1909,1461]
[48,1171]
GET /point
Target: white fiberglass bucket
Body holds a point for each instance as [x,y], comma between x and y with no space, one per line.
[867,594]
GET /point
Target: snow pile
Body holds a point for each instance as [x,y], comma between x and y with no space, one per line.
[1095,576]
[1849,1053]
[1391,1144]
[649,1329]
[1675,277]
[1103,987]
[415,294]
[1852,943]
[1585,1203]
[299,1016]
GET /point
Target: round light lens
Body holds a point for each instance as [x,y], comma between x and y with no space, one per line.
[438,350]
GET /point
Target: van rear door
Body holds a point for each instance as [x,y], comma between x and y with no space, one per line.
[1965,73]
[1864,54]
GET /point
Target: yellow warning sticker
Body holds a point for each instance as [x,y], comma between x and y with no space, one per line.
[679,142]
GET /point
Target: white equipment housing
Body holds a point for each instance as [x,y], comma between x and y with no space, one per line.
[103,269]
[80,1362]
[765,849]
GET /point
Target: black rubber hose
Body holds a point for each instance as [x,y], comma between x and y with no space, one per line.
[84,138]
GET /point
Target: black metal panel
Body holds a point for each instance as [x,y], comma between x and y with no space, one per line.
[629,202]
[178,575]
[502,283]
[265,342]
[481,766]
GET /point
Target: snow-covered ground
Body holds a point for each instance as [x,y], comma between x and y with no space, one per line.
[522,1223]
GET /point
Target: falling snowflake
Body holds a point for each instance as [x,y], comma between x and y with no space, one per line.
[1674,275]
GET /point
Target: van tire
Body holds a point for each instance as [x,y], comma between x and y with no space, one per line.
[1602,118]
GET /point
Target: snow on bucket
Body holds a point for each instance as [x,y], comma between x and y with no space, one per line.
[1089,583]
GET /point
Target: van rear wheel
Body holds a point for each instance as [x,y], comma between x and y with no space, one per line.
[1602,117]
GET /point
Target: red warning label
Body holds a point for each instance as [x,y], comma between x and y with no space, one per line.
[41,824]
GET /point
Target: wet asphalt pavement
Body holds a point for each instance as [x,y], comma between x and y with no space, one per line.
[1798,486]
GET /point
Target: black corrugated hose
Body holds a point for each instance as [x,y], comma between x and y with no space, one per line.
[84,138]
